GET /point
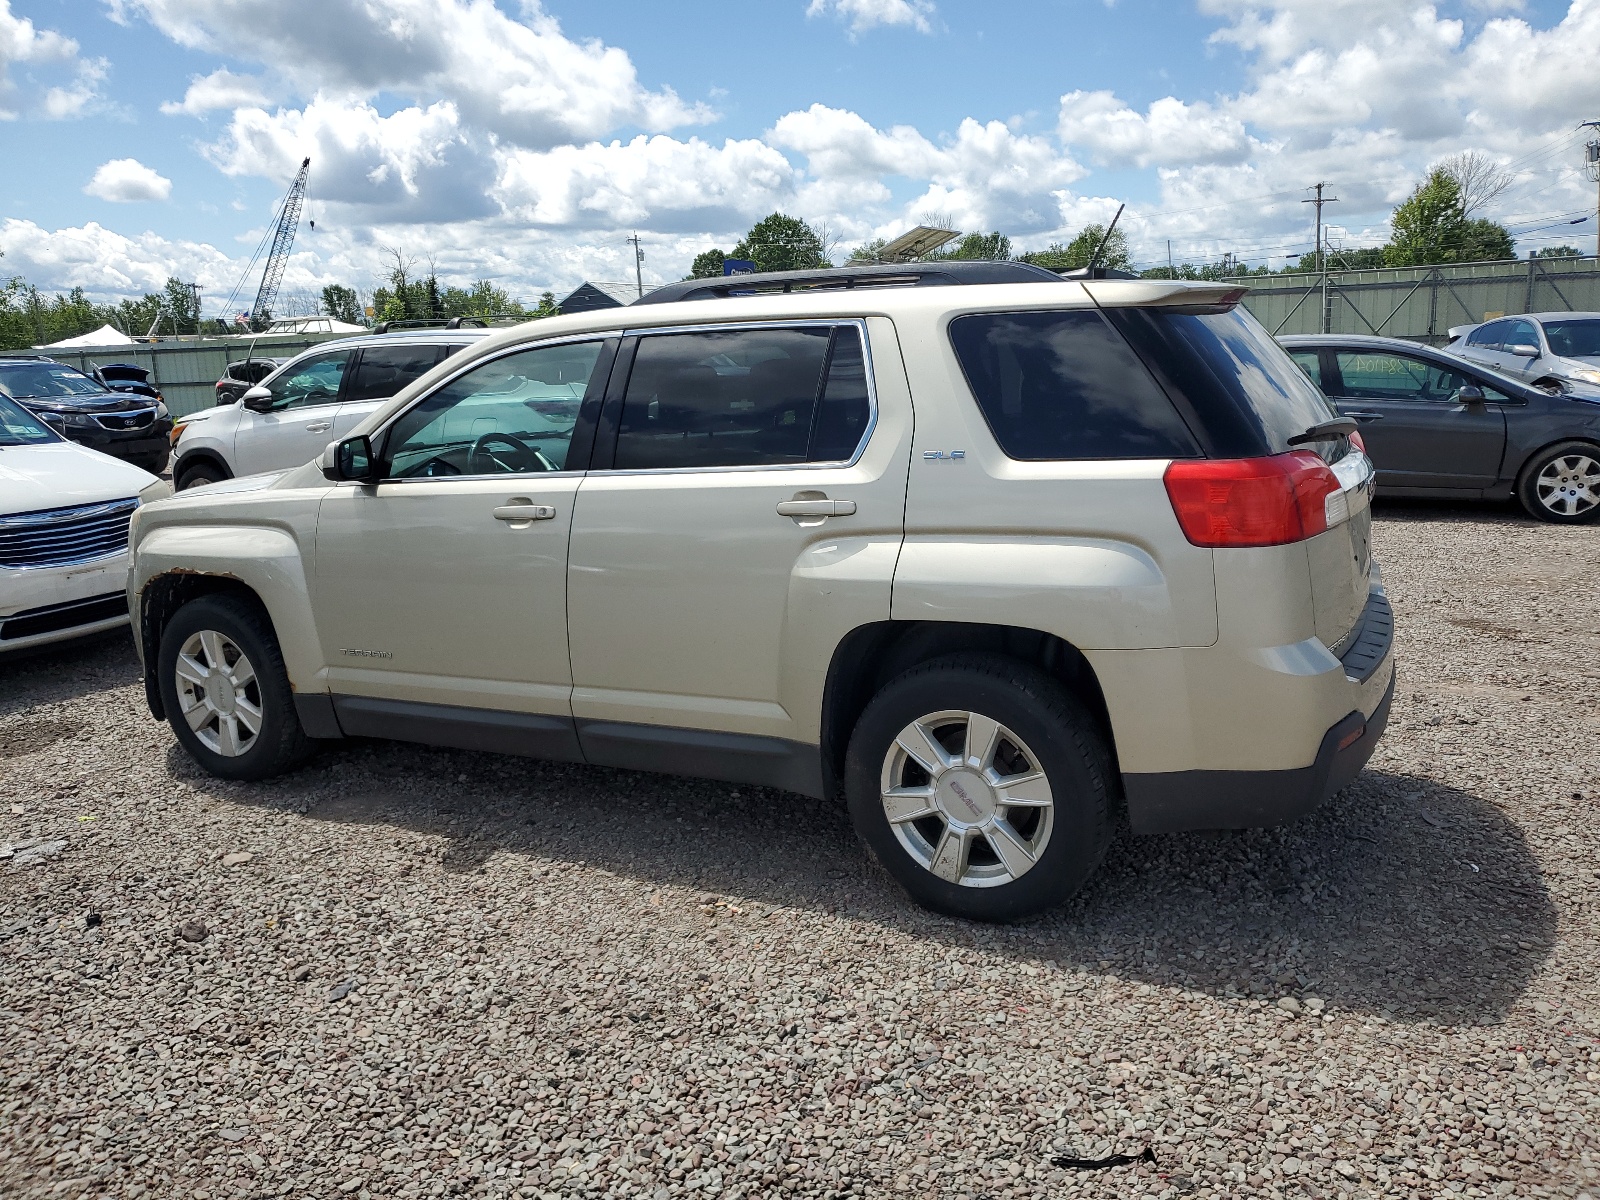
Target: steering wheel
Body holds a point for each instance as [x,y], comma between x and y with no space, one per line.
[521,459]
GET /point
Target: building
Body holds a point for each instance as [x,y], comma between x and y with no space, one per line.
[589,296]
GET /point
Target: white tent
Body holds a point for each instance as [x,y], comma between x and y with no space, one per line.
[106,335]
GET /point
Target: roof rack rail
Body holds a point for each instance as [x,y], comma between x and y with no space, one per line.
[445,322]
[934,274]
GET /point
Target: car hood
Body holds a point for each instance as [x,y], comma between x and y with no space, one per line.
[103,402]
[60,474]
[243,483]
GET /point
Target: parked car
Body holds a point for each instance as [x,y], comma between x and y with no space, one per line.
[1437,425]
[315,397]
[64,512]
[128,377]
[991,563]
[239,377]
[131,427]
[1549,350]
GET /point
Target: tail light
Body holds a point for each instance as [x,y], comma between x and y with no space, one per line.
[1358,442]
[1252,501]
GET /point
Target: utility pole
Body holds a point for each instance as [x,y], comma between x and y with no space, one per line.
[1319,200]
[638,264]
[1171,273]
[1591,163]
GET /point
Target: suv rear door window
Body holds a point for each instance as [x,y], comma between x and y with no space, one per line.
[1064,385]
[385,370]
[744,398]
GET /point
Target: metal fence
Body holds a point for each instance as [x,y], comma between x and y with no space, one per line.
[186,370]
[1422,303]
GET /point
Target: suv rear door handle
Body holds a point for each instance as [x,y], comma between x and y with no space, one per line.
[816,508]
[524,512]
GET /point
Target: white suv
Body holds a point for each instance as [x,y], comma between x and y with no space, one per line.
[320,395]
[994,562]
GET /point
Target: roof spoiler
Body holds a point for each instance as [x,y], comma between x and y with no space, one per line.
[1172,295]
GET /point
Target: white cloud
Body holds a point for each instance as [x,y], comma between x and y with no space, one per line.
[1168,133]
[125,180]
[869,14]
[108,264]
[523,81]
[220,89]
[23,43]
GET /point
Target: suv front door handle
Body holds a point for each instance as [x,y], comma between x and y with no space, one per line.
[319,427]
[1363,417]
[816,508]
[524,512]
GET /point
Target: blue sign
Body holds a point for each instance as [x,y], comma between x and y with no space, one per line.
[738,266]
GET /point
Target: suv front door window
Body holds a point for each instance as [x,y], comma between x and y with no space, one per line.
[1417,431]
[734,498]
[305,401]
[452,571]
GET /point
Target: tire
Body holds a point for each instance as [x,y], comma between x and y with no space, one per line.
[155,465]
[1561,483]
[212,721]
[1035,731]
[199,474]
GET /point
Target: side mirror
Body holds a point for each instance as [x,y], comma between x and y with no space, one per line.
[1523,350]
[351,461]
[1471,395]
[257,399]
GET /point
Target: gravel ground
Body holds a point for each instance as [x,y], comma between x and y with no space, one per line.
[410,972]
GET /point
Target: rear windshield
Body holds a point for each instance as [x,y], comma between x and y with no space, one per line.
[1063,385]
[1243,390]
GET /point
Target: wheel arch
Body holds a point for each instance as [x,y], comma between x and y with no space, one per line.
[203,454]
[871,655]
[161,598]
[1532,456]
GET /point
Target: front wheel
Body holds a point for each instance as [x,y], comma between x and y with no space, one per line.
[1562,483]
[226,692]
[198,475]
[982,787]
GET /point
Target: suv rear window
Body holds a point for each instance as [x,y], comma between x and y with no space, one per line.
[1238,386]
[1064,385]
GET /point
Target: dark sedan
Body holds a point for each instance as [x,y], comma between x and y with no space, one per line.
[126,426]
[1436,425]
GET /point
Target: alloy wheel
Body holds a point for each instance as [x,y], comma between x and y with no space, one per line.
[218,693]
[967,799]
[1569,485]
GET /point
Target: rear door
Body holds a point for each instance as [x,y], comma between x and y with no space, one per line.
[1418,434]
[380,374]
[1483,344]
[300,423]
[744,507]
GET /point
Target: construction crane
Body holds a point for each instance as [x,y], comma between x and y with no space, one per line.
[282,242]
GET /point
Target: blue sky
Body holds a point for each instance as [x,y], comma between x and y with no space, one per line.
[523,142]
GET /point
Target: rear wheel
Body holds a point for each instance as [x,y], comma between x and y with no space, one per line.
[226,692]
[199,474]
[982,786]
[1561,483]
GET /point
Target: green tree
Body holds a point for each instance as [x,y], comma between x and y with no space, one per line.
[1431,226]
[341,304]
[1076,253]
[707,264]
[782,243]
[975,247]
[869,252]
[1556,252]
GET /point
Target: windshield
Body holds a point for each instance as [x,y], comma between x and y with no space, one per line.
[1574,339]
[19,427]
[43,379]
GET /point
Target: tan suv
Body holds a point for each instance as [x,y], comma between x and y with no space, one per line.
[992,555]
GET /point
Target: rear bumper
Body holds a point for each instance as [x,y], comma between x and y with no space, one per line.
[1177,801]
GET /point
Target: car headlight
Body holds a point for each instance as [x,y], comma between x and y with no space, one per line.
[1586,376]
[80,420]
[177,430]
[161,411]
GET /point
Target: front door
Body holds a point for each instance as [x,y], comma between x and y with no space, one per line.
[1417,433]
[743,512]
[305,401]
[446,584]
